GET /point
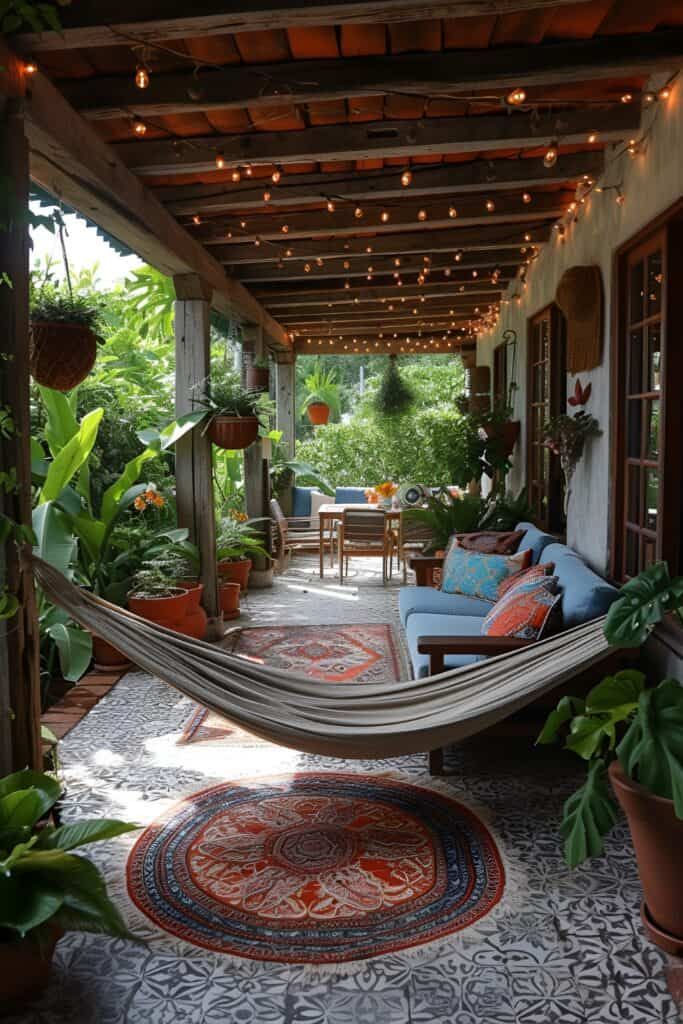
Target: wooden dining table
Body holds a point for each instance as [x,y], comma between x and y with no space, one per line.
[334,513]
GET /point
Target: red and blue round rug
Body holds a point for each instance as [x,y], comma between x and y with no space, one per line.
[315,868]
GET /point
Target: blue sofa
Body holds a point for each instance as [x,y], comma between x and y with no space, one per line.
[301,498]
[426,612]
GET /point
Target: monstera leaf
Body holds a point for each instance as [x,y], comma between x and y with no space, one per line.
[589,814]
[642,603]
[651,751]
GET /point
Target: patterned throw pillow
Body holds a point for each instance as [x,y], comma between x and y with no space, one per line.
[476,575]
[536,572]
[490,542]
[524,611]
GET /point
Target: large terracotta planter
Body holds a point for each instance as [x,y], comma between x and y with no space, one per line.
[194,624]
[106,656]
[230,599]
[258,378]
[506,433]
[318,413]
[233,432]
[658,840]
[25,970]
[236,571]
[165,611]
[194,590]
[61,355]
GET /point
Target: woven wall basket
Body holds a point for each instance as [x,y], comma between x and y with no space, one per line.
[61,355]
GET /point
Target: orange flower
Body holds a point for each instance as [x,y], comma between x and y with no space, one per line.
[140,503]
[158,501]
[387,489]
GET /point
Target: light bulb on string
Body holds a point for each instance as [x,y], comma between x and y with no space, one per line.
[330,206]
[422,215]
[30,67]
[526,197]
[664,93]
[452,212]
[490,206]
[248,170]
[196,219]
[141,76]
[458,256]
[266,196]
[318,261]
[358,212]
[139,127]
[626,97]
[515,97]
[406,178]
[275,176]
[550,158]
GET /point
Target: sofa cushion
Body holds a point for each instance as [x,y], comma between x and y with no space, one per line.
[428,599]
[350,496]
[525,611]
[585,595]
[301,501]
[440,625]
[490,542]
[477,575]
[535,539]
[534,572]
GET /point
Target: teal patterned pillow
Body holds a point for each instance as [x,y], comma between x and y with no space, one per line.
[477,575]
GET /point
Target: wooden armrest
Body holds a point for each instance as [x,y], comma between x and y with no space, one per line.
[437,647]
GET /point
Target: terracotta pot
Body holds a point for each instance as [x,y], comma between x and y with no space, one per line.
[258,378]
[658,840]
[230,599]
[193,624]
[506,433]
[165,611]
[61,355]
[318,413]
[233,432]
[25,969]
[106,656]
[235,571]
[194,589]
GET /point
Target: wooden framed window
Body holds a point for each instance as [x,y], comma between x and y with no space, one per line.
[500,374]
[546,397]
[647,359]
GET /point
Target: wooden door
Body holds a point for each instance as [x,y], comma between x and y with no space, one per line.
[546,398]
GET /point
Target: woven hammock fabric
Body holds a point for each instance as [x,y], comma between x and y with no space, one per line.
[359,720]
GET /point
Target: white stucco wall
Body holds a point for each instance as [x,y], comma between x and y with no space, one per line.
[652,182]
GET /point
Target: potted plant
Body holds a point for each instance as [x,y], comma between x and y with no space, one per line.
[632,734]
[235,413]
[382,494]
[445,514]
[322,395]
[499,426]
[258,375]
[229,593]
[45,888]
[566,436]
[394,396]
[236,544]
[155,596]
[63,344]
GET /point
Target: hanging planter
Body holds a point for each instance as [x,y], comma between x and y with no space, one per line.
[235,413]
[258,375]
[506,433]
[233,432]
[318,413]
[61,355]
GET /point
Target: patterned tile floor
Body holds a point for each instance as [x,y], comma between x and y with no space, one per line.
[564,946]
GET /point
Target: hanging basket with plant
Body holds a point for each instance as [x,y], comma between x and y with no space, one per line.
[322,396]
[394,395]
[235,413]
[64,339]
[258,375]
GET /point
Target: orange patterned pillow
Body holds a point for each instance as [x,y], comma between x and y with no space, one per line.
[525,610]
[536,572]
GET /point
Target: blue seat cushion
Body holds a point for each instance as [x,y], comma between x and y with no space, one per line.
[350,496]
[412,600]
[536,540]
[585,595]
[440,625]
[301,501]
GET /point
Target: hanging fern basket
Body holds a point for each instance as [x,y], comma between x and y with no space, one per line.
[61,355]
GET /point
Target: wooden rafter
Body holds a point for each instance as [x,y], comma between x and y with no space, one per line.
[125,22]
[263,276]
[384,345]
[346,297]
[432,136]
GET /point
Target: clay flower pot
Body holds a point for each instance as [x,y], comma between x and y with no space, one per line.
[165,611]
[230,600]
[25,969]
[318,413]
[61,355]
[233,432]
[506,433]
[106,656]
[194,624]
[194,590]
[658,840]
[235,571]
[258,378]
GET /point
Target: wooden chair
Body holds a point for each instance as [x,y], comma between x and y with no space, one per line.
[295,533]
[412,538]
[364,534]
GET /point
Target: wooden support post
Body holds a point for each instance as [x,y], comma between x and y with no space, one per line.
[257,470]
[19,637]
[285,414]
[194,485]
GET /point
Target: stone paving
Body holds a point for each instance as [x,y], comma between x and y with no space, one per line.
[563,946]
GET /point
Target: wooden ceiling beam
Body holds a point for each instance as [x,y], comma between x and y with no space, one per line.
[467,71]
[92,23]
[507,208]
[395,310]
[486,238]
[332,275]
[382,285]
[361,141]
[347,297]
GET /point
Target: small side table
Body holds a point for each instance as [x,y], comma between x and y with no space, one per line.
[427,569]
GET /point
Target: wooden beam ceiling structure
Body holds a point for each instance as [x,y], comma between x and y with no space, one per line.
[333,167]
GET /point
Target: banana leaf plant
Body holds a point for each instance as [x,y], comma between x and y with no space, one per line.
[623,718]
[43,884]
[445,514]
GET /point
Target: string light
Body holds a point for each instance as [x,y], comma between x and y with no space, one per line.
[593,137]
[243,224]
[196,219]
[139,127]
[30,67]
[490,205]
[141,76]
[452,212]
[384,216]
[626,97]
[550,158]
[248,170]
[526,197]
[284,229]
[620,198]
[307,268]
[275,176]
[266,196]
[422,215]
[406,178]
[330,206]
[397,261]
[347,284]
[318,261]
[257,241]
[458,256]
[516,97]
[664,93]
[358,212]
[527,237]
[289,252]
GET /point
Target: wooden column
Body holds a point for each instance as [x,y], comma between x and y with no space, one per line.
[19,636]
[194,484]
[285,414]
[257,469]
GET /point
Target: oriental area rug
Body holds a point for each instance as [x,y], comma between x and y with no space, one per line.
[332,654]
[315,868]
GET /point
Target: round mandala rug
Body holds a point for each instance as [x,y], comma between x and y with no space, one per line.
[315,868]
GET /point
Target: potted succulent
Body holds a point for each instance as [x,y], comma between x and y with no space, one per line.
[64,339]
[45,888]
[155,595]
[235,413]
[258,375]
[322,395]
[237,542]
[632,734]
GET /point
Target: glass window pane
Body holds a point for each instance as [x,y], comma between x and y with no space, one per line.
[633,512]
[651,498]
[636,292]
[653,299]
[635,363]
[652,450]
[633,425]
[654,357]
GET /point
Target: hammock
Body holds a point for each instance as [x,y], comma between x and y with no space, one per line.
[358,720]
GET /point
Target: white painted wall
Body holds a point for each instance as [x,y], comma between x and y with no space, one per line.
[652,182]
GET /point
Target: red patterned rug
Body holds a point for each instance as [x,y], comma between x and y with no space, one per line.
[315,868]
[333,654]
